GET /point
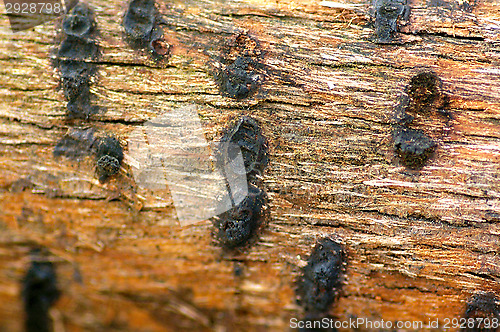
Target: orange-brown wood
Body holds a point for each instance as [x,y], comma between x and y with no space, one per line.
[419,243]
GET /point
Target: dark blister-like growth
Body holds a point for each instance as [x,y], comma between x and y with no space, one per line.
[422,95]
[481,313]
[76,77]
[387,14]
[143,30]
[81,107]
[79,22]
[76,68]
[412,146]
[109,156]
[422,103]
[107,166]
[245,136]
[76,144]
[424,90]
[241,44]
[78,49]
[76,60]
[39,293]
[321,281]
[236,80]
[140,18]
[158,46]
[240,71]
[238,225]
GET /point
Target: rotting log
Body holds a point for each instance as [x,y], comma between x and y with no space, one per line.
[419,243]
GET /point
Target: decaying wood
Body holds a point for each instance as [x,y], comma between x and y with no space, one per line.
[419,243]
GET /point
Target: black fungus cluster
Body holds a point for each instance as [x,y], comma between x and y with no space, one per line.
[76,59]
[321,280]
[245,136]
[413,146]
[387,14]
[238,80]
[107,150]
[423,93]
[109,156]
[76,62]
[143,30]
[239,71]
[238,225]
[39,293]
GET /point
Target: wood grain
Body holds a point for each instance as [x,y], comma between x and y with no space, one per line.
[419,242]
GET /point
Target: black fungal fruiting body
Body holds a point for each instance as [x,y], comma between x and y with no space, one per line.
[139,19]
[245,136]
[75,60]
[387,14]
[413,147]
[109,156]
[79,22]
[142,28]
[424,92]
[239,70]
[39,293]
[422,95]
[236,226]
[79,143]
[237,80]
[321,281]
[482,313]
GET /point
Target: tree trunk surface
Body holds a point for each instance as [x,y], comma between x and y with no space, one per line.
[419,243]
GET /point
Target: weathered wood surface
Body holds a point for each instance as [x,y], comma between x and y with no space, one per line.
[419,243]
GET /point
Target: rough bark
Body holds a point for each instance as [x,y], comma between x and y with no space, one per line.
[419,243]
